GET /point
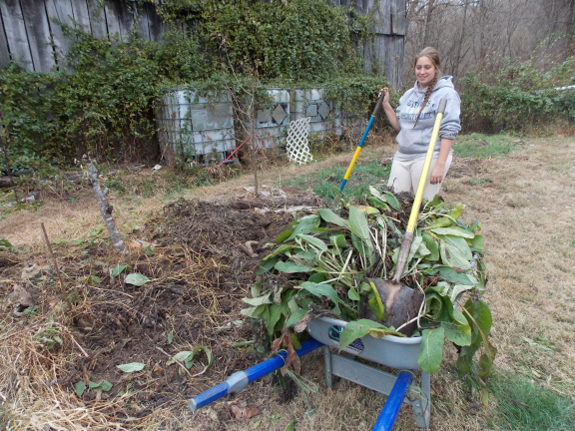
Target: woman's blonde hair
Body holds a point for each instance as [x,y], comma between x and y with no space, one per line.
[433,55]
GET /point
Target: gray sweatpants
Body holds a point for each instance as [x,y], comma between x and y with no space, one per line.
[404,176]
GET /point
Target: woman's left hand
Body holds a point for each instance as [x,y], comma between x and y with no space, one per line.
[436,175]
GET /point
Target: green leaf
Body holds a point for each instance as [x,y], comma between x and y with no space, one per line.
[375,303]
[481,314]
[456,212]
[451,275]
[416,244]
[338,241]
[358,224]
[458,333]
[386,197]
[453,231]
[440,223]
[275,315]
[282,237]
[180,357]
[352,294]
[267,264]
[330,217]
[291,267]
[264,299]
[306,225]
[209,356]
[118,269]
[431,353]
[80,387]
[131,367]
[477,242]
[136,279]
[321,290]
[457,290]
[313,241]
[104,385]
[356,329]
[295,317]
[455,252]
[282,249]
[170,337]
[432,246]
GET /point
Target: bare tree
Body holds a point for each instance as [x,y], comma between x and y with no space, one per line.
[474,35]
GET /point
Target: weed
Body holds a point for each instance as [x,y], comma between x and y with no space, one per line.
[479,181]
[5,244]
[115,185]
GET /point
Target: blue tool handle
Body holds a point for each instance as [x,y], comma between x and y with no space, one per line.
[278,361]
[209,396]
[388,415]
[239,380]
[308,346]
[366,131]
[266,367]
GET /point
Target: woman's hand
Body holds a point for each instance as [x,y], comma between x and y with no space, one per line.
[437,174]
[389,111]
[385,100]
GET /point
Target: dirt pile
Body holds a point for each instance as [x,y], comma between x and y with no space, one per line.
[200,258]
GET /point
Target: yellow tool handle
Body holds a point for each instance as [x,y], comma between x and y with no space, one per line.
[426,164]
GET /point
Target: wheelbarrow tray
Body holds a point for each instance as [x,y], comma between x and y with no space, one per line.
[390,350]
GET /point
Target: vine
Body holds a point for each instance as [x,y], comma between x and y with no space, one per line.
[104,97]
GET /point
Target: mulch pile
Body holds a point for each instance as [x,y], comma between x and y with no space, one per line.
[202,262]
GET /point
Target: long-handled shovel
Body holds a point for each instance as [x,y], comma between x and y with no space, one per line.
[362,140]
[402,303]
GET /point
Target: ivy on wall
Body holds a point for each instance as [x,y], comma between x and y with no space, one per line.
[104,103]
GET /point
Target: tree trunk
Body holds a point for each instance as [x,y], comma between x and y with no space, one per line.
[106,210]
[428,23]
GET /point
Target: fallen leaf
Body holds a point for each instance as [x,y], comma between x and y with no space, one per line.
[242,413]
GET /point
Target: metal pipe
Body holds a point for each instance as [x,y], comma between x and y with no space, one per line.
[239,380]
[388,415]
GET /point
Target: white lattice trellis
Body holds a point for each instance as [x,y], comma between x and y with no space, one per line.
[297,145]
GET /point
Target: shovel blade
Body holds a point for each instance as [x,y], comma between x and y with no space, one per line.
[401,304]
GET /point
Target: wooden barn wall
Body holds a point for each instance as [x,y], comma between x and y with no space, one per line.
[30,30]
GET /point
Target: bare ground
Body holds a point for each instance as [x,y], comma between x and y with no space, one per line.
[524,202]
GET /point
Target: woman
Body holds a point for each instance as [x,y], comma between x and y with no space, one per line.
[414,119]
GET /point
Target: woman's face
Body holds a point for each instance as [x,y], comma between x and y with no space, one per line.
[424,71]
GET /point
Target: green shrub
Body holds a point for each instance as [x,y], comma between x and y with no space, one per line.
[518,98]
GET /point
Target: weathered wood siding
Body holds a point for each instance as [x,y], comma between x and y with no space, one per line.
[31,31]
[386,52]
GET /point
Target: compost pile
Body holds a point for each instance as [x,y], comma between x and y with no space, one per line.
[333,262]
[176,334]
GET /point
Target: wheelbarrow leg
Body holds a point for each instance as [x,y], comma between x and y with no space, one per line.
[328,373]
[420,400]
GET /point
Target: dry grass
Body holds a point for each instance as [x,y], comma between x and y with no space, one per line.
[526,211]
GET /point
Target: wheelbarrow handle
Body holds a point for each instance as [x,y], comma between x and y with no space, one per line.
[240,379]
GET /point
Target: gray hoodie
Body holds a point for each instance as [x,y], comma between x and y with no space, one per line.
[413,142]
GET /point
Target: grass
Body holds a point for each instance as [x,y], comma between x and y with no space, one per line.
[326,182]
[530,250]
[483,146]
[524,406]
